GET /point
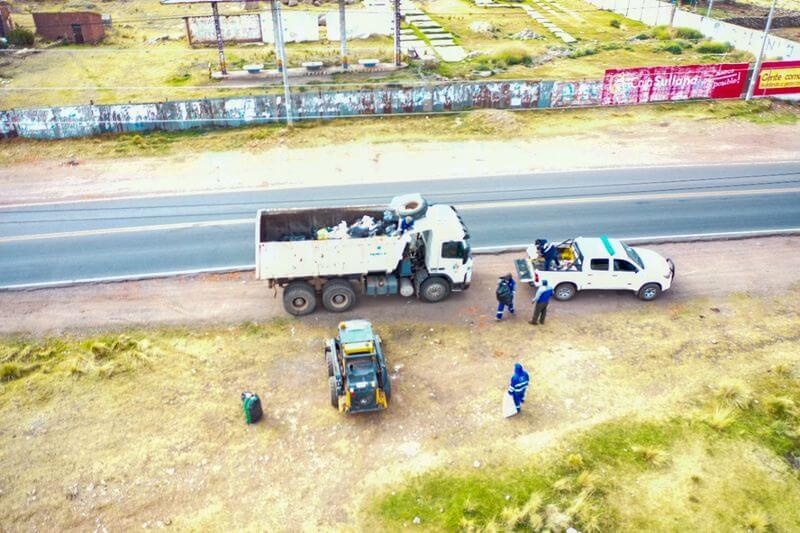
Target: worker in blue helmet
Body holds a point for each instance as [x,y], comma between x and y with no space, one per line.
[518,385]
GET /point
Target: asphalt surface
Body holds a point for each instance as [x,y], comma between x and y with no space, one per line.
[53,243]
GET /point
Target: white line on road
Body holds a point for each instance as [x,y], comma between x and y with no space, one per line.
[133,229]
[482,249]
[491,204]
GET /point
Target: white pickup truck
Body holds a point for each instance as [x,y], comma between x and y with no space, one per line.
[599,263]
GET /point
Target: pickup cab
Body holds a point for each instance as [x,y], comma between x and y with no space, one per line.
[599,263]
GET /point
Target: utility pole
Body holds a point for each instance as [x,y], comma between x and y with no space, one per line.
[397,55]
[672,13]
[215,12]
[760,58]
[280,55]
[343,34]
[710,5]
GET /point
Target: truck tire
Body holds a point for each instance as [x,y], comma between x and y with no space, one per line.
[649,292]
[299,298]
[387,387]
[410,205]
[334,392]
[434,290]
[338,296]
[565,291]
[329,362]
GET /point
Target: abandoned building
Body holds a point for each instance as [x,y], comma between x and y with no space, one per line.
[75,27]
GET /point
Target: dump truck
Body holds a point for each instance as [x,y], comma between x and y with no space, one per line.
[587,263]
[429,260]
[357,374]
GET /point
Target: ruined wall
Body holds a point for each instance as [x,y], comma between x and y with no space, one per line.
[235,29]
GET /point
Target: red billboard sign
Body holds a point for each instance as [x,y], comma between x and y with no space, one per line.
[664,84]
[778,77]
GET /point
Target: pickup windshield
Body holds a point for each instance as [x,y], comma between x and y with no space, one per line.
[633,255]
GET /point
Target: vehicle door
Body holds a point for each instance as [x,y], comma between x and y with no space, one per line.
[624,275]
[598,275]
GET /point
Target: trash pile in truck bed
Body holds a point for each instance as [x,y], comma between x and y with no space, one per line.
[366,226]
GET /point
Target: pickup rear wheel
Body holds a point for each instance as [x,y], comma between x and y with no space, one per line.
[334,392]
[338,296]
[434,290]
[565,291]
[299,298]
[649,292]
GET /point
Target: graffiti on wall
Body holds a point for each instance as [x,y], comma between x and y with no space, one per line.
[575,93]
[85,120]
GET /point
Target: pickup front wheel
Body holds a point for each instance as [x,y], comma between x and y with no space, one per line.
[565,291]
[299,298]
[649,292]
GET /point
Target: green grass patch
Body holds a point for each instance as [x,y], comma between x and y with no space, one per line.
[714,47]
[613,476]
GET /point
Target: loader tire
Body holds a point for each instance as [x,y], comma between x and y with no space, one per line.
[299,298]
[334,392]
[338,296]
[434,290]
[329,361]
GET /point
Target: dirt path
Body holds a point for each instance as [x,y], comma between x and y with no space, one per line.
[664,143]
[704,269]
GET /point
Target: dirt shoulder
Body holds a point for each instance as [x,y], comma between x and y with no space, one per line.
[508,143]
[704,270]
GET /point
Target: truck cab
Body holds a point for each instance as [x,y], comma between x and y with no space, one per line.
[357,373]
[599,263]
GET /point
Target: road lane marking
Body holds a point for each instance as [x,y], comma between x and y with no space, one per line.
[133,229]
[392,182]
[481,249]
[492,204]
[620,198]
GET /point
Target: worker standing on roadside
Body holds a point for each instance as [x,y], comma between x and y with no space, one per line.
[518,385]
[540,301]
[505,295]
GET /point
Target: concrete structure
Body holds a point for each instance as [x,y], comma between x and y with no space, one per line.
[6,24]
[75,27]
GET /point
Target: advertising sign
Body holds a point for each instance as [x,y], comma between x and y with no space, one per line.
[664,84]
[778,77]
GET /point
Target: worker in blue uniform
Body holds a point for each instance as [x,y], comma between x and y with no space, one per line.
[518,386]
[505,295]
[407,224]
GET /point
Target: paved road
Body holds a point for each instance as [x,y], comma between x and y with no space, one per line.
[42,244]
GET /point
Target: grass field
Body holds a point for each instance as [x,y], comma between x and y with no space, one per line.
[465,126]
[132,65]
[680,417]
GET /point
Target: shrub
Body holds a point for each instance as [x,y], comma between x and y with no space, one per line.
[614,23]
[673,48]
[662,33]
[513,56]
[688,33]
[583,52]
[20,37]
[642,37]
[735,394]
[713,47]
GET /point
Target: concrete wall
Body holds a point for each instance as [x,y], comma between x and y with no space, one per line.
[84,120]
[655,13]
[360,24]
[6,24]
[298,26]
[235,29]
[54,26]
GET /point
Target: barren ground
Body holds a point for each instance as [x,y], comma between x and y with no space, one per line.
[99,443]
[276,166]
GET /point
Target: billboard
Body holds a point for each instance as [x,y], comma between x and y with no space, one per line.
[778,77]
[663,84]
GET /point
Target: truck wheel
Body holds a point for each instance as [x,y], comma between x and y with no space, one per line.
[387,387]
[299,298]
[334,392]
[329,361]
[338,296]
[649,292]
[434,290]
[565,291]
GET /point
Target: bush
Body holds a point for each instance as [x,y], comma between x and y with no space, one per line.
[662,33]
[642,37]
[583,52]
[714,47]
[513,56]
[688,33]
[20,37]
[672,48]
[614,23]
